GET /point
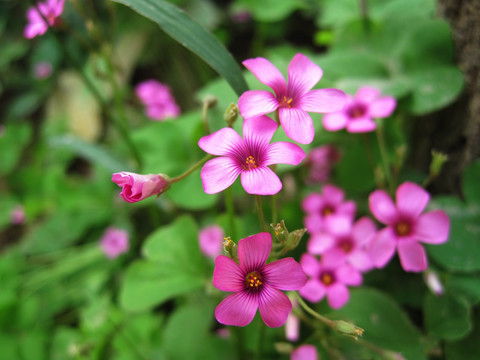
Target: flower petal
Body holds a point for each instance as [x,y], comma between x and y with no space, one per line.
[303,74]
[227,275]
[261,181]
[258,131]
[312,202]
[285,274]
[335,121]
[339,225]
[218,174]
[284,153]
[253,251]
[305,352]
[337,295]
[382,207]
[313,291]
[382,247]
[221,142]
[314,222]
[348,275]
[322,101]
[257,102]
[333,195]
[363,230]
[361,125]
[310,265]
[266,73]
[297,124]
[411,199]
[432,227]
[274,306]
[412,255]
[320,242]
[382,107]
[360,260]
[237,309]
[367,94]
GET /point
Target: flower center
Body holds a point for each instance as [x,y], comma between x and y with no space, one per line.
[346,245]
[286,102]
[402,228]
[327,278]
[250,163]
[356,111]
[253,280]
[327,210]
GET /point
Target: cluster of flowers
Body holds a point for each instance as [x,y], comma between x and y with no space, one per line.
[158,100]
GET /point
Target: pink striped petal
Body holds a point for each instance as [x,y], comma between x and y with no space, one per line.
[257,102]
[412,255]
[382,207]
[227,275]
[253,251]
[361,125]
[367,94]
[285,274]
[258,131]
[267,74]
[237,309]
[310,265]
[303,74]
[313,291]
[383,107]
[261,181]
[335,121]
[274,306]
[218,174]
[411,199]
[323,101]
[432,227]
[337,295]
[382,247]
[284,153]
[221,142]
[297,124]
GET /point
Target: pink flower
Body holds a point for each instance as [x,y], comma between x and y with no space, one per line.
[158,99]
[304,352]
[345,241]
[320,206]
[319,162]
[42,70]
[330,278]
[292,325]
[210,239]
[136,187]
[357,115]
[293,99]
[114,242]
[256,285]
[249,157]
[406,226]
[50,9]
[17,217]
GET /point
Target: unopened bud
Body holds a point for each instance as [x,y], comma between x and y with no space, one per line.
[230,248]
[283,348]
[433,282]
[438,159]
[347,328]
[281,232]
[231,114]
[294,238]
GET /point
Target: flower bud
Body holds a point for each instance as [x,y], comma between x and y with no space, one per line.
[210,101]
[433,282]
[294,238]
[283,348]
[438,159]
[347,328]
[281,232]
[136,187]
[231,114]
[230,248]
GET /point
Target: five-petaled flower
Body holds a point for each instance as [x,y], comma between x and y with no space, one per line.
[114,242]
[359,111]
[158,100]
[293,99]
[136,187]
[406,226]
[248,157]
[255,284]
[49,10]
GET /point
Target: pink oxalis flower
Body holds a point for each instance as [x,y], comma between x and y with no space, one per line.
[329,278]
[319,162]
[359,111]
[304,352]
[158,100]
[293,99]
[114,242]
[136,187]
[406,227]
[210,239]
[248,157]
[17,216]
[50,9]
[255,284]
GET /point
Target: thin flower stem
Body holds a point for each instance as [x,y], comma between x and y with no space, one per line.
[383,154]
[231,212]
[192,169]
[205,117]
[261,218]
[261,337]
[312,312]
[363,5]
[368,150]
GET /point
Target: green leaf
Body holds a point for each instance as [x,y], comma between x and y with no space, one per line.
[174,267]
[385,324]
[471,179]
[467,348]
[14,139]
[467,286]
[462,250]
[193,36]
[270,10]
[446,316]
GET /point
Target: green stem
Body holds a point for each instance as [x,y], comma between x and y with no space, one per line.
[261,337]
[383,154]
[205,117]
[261,218]
[231,212]
[191,170]
[312,312]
